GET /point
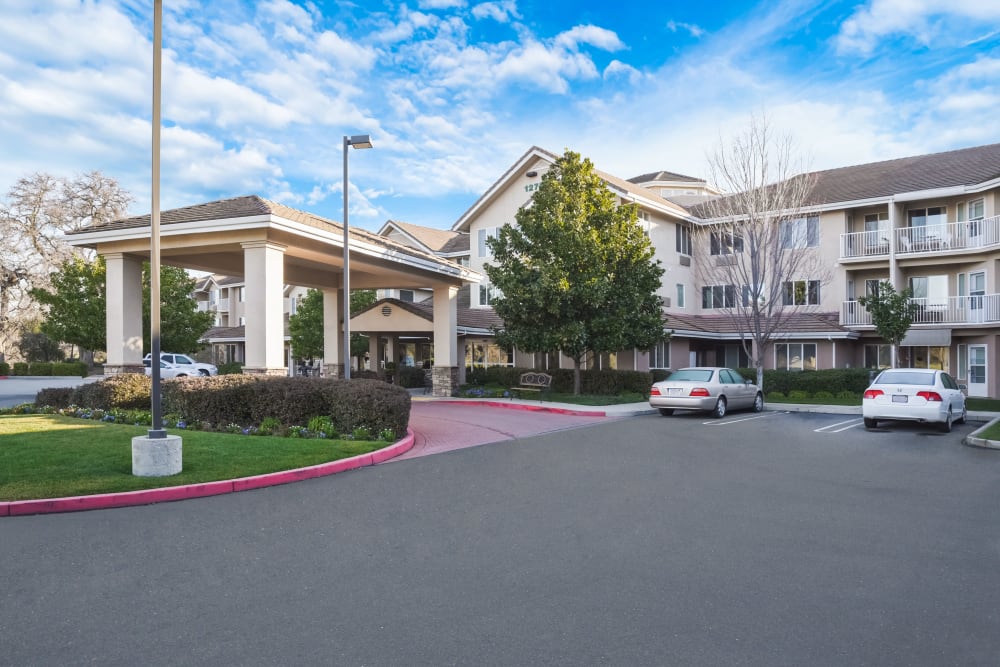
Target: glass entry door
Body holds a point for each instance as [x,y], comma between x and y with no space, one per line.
[977,371]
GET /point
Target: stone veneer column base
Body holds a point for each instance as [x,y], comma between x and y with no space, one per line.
[333,370]
[445,380]
[138,369]
[265,371]
[156,457]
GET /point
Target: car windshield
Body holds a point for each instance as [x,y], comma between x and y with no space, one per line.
[691,375]
[906,377]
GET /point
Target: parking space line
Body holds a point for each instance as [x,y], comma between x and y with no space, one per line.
[850,424]
[744,419]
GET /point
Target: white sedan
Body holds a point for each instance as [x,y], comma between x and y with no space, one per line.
[914,394]
[169,370]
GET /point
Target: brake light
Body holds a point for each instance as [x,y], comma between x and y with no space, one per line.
[699,391]
[872,393]
[655,391]
[930,396]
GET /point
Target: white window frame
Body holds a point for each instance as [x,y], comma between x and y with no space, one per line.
[807,292]
[481,236]
[802,355]
[800,233]
[680,296]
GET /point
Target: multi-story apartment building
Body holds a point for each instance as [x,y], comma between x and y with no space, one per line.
[929,223]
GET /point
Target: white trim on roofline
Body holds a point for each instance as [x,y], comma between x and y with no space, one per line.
[533,153]
[808,335]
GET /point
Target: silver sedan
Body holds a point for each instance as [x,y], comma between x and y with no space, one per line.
[708,388]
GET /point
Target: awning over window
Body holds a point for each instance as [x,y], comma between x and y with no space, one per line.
[927,337]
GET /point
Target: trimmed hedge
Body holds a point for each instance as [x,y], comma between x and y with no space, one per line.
[231,368]
[19,368]
[250,399]
[833,380]
[410,376]
[44,368]
[76,368]
[247,400]
[40,368]
[602,383]
[4,368]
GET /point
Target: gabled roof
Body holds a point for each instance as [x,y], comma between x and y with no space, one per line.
[257,210]
[657,176]
[627,190]
[428,238]
[470,320]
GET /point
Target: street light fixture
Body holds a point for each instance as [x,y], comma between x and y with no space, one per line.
[357,141]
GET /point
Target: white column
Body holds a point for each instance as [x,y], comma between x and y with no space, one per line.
[333,351]
[123,317]
[264,272]
[445,372]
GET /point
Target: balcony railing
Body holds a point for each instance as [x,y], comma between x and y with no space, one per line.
[213,306]
[942,238]
[979,309]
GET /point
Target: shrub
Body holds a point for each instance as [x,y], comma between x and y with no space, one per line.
[776,396]
[270,426]
[20,368]
[823,395]
[67,368]
[798,395]
[231,368]
[603,383]
[129,391]
[410,376]
[322,426]
[847,395]
[4,368]
[40,368]
[56,397]
[833,380]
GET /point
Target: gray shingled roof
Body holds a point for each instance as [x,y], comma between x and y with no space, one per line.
[250,206]
[665,176]
[435,239]
[967,166]
[819,323]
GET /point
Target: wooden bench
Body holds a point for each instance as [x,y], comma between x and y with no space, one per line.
[532,382]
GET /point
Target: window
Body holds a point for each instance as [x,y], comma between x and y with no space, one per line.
[923,356]
[800,233]
[801,293]
[733,356]
[487,293]
[928,217]
[873,286]
[718,296]
[876,229]
[242,293]
[482,235]
[659,355]
[795,356]
[293,304]
[406,295]
[726,242]
[878,356]
[683,240]
[642,217]
[932,290]
[680,295]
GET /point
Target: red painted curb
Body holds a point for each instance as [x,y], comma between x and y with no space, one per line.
[171,493]
[530,407]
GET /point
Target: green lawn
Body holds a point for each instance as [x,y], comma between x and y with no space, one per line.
[49,456]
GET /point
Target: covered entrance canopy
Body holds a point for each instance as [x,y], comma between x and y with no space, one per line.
[269,245]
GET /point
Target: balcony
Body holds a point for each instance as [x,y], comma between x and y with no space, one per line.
[953,310]
[220,305]
[943,239]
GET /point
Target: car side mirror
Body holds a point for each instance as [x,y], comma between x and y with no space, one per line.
[964,388]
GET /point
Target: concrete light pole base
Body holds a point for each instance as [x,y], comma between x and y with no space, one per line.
[156,457]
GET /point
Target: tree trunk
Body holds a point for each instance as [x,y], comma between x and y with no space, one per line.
[576,377]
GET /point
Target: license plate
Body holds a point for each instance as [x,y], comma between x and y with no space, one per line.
[899,398]
[675,391]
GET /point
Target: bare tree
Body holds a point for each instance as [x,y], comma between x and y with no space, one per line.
[758,258]
[37,211]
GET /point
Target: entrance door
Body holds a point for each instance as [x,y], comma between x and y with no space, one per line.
[977,371]
[977,289]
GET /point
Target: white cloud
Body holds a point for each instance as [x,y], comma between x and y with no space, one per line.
[618,69]
[690,28]
[923,20]
[589,34]
[441,4]
[501,12]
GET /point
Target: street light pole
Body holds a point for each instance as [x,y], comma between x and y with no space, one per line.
[157,431]
[357,141]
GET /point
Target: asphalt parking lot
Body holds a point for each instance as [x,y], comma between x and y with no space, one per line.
[770,539]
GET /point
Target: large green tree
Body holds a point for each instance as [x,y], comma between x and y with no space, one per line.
[577,272]
[181,323]
[306,326]
[75,304]
[892,313]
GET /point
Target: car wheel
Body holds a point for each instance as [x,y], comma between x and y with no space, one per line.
[720,408]
[203,373]
[945,426]
[870,423]
[963,416]
[666,412]
[758,402]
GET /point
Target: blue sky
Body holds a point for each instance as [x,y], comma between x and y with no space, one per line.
[258,95]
